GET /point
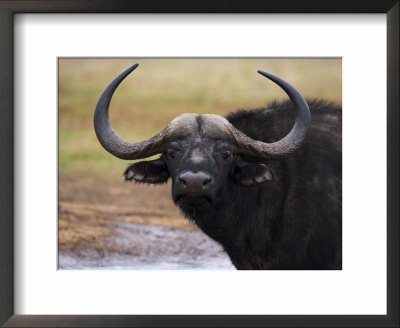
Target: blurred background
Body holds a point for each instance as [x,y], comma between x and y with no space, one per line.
[106,223]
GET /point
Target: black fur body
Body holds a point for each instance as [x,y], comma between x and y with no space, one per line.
[292,219]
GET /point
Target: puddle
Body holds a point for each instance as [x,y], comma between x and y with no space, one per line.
[150,247]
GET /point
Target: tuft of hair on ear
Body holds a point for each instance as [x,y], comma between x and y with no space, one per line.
[252,174]
[128,174]
[152,172]
[134,172]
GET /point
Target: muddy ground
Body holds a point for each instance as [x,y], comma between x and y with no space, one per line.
[107,223]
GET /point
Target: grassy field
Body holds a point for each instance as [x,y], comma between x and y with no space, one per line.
[161,89]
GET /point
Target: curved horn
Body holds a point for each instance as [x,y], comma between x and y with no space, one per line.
[292,140]
[110,140]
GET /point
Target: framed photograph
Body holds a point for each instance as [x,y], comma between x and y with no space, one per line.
[81,247]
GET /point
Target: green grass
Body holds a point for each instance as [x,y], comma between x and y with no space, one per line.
[80,153]
[161,89]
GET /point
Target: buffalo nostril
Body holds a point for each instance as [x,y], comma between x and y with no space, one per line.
[206,181]
[182,180]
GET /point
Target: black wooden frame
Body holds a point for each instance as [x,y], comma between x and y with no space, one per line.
[7,10]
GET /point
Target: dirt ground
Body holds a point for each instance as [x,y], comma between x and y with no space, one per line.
[90,205]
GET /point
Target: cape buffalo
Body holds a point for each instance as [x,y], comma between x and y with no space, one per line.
[270,197]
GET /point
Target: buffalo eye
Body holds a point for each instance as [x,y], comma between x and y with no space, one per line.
[171,154]
[225,155]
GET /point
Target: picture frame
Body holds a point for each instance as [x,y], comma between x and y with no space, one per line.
[9,8]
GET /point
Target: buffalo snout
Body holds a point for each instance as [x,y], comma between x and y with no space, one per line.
[194,183]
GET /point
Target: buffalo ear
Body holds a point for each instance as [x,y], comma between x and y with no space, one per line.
[250,174]
[155,172]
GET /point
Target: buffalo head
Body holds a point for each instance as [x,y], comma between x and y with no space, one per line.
[202,154]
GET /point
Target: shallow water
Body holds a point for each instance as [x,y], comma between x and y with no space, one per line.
[150,247]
